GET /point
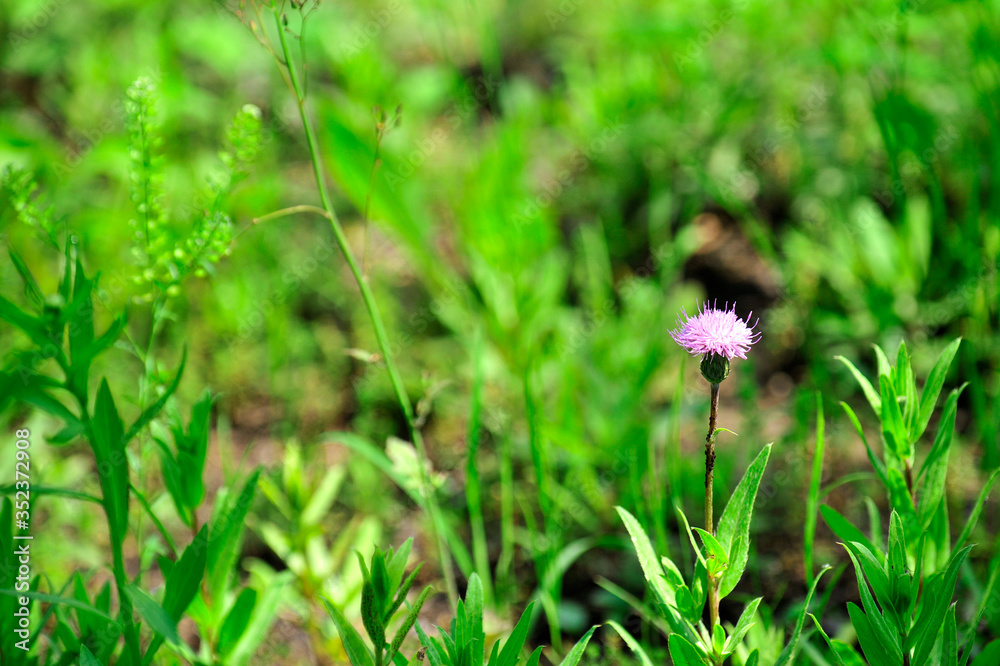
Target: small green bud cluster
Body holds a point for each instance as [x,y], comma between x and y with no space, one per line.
[164,255]
[18,187]
[244,138]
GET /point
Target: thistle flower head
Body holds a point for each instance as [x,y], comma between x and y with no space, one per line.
[715,332]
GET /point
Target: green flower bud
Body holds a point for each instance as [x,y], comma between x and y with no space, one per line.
[714,368]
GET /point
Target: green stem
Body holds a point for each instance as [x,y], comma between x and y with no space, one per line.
[292,210]
[505,563]
[118,558]
[473,490]
[124,602]
[713,583]
[373,313]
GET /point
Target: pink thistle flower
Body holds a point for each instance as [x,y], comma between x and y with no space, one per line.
[714,332]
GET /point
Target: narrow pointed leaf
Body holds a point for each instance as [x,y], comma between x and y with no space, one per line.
[356,650]
[632,643]
[683,653]
[574,655]
[787,655]
[734,525]
[932,389]
[866,386]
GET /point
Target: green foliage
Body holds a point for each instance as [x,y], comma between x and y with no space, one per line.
[20,200]
[916,497]
[64,343]
[383,593]
[464,644]
[183,470]
[566,177]
[724,558]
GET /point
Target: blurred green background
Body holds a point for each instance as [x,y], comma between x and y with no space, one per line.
[566,176]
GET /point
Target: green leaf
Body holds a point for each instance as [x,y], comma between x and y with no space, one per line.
[186,575]
[901,499]
[172,478]
[934,489]
[932,389]
[87,657]
[112,464]
[718,639]
[401,594]
[977,509]
[876,462]
[322,498]
[822,632]
[357,652]
[574,655]
[871,644]
[946,429]
[716,556]
[742,627]
[753,659]
[871,571]
[150,412]
[897,545]
[511,652]
[236,621]
[886,629]
[938,592]
[734,525]
[948,640]
[56,599]
[371,615]
[34,327]
[683,653]
[264,615]
[192,449]
[844,530]
[224,536]
[815,483]
[535,656]
[411,618]
[894,430]
[31,289]
[632,643]
[866,386]
[651,566]
[986,600]
[884,368]
[397,563]
[154,615]
[787,655]
[906,388]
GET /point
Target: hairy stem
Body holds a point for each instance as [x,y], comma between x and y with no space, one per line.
[373,312]
[713,583]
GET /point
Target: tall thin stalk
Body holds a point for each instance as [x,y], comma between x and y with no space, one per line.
[713,583]
[368,297]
